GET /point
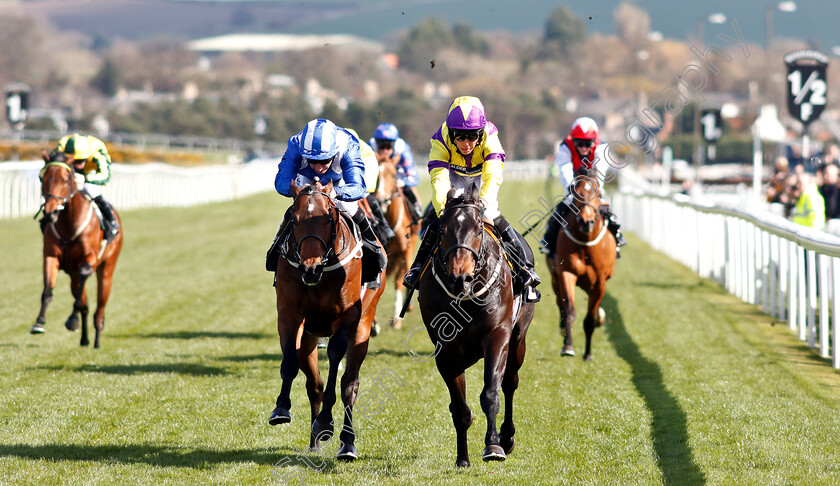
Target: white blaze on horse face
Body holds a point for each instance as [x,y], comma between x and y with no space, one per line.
[310,207]
[460,218]
[588,186]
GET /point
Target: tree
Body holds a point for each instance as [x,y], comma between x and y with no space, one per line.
[563,30]
[417,49]
[632,23]
[108,79]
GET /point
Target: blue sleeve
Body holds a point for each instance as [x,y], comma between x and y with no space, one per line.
[409,171]
[287,169]
[353,170]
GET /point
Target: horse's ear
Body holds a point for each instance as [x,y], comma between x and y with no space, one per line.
[450,195]
[328,187]
[474,192]
[45,156]
[295,189]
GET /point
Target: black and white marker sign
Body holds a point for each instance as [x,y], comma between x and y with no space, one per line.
[806,81]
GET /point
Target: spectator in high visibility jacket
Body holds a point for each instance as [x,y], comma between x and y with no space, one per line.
[810,206]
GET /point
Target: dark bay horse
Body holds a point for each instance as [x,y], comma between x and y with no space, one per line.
[74,242]
[401,247]
[320,294]
[467,303]
[585,258]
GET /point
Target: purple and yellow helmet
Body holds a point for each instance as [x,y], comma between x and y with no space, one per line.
[466,113]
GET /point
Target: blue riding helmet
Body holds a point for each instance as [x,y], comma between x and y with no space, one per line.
[386,131]
[318,140]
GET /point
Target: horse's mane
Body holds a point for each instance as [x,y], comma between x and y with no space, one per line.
[56,156]
[461,200]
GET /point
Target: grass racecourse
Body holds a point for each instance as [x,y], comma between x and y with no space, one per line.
[688,385]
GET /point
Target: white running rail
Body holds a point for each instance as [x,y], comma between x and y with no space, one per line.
[791,271]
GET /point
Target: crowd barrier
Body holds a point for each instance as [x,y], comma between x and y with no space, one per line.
[787,269]
[143,186]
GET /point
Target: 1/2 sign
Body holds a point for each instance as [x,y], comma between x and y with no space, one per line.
[806,78]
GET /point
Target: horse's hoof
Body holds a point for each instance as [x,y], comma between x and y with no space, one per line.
[396,323]
[38,328]
[567,351]
[462,463]
[322,431]
[375,329]
[71,324]
[508,444]
[493,453]
[84,342]
[322,343]
[279,416]
[587,357]
[347,452]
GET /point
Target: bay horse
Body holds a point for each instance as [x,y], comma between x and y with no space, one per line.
[467,304]
[401,247]
[74,242]
[585,257]
[320,294]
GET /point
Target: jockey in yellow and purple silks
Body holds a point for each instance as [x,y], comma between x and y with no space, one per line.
[466,153]
[89,157]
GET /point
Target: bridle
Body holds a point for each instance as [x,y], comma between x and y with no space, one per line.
[478,255]
[333,220]
[63,200]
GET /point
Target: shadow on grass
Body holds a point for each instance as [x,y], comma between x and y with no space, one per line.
[669,428]
[163,456]
[243,358]
[204,334]
[179,368]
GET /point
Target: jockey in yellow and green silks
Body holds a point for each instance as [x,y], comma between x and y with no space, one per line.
[466,153]
[89,157]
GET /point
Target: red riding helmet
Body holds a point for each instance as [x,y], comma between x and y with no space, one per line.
[585,128]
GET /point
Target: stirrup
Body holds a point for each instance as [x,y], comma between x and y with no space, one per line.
[411,277]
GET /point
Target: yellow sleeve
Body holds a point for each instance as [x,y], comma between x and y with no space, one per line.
[371,166]
[98,169]
[440,187]
[491,179]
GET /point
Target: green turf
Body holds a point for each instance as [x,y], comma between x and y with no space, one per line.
[688,385]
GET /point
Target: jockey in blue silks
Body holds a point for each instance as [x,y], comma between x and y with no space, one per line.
[331,154]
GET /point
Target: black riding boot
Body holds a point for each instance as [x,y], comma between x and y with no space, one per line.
[371,244]
[526,277]
[429,216]
[558,218]
[615,229]
[112,227]
[430,238]
[416,209]
[381,222]
[272,256]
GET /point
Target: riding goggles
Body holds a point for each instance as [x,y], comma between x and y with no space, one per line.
[319,162]
[384,144]
[583,143]
[472,136]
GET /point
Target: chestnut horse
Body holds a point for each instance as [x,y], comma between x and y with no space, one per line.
[74,242]
[401,247]
[467,303]
[320,294]
[586,254]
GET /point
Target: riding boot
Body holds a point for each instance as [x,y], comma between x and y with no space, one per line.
[430,238]
[370,243]
[615,228]
[112,227]
[558,218]
[428,217]
[416,208]
[527,276]
[381,222]
[272,256]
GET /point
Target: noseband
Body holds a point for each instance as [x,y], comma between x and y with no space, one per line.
[478,255]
